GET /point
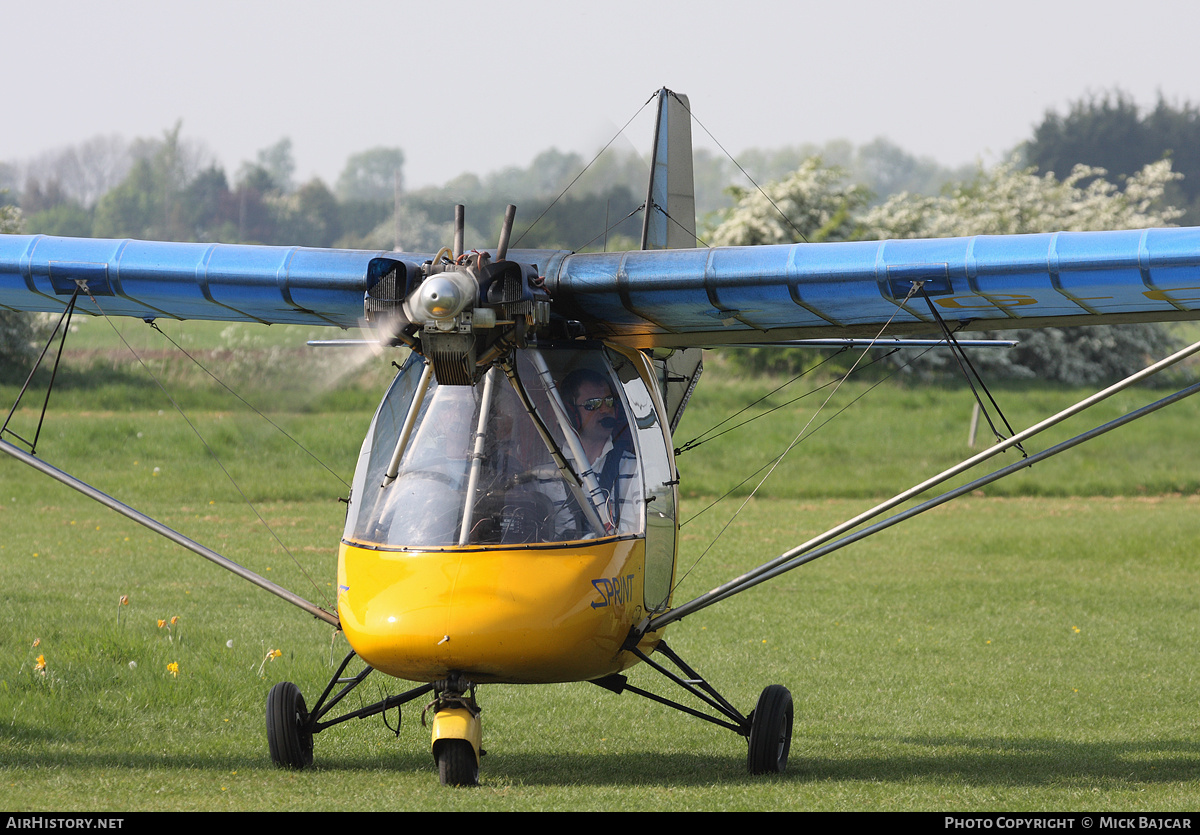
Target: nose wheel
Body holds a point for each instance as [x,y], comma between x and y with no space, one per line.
[457,764]
[457,732]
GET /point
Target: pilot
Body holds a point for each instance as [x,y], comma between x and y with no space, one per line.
[605,440]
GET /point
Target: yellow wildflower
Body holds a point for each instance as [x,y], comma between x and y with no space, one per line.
[40,666]
[173,669]
[271,655]
[161,623]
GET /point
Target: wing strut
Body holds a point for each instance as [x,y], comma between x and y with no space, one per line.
[969,372]
[66,316]
[811,550]
[170,533]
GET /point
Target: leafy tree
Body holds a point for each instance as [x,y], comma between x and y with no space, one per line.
[67,219]
[253,177]
[36,199]
[1012,200]
[1110,131]
[883,167]
[133,209]
[8,182]
[147,202]
[370,176]
[361,218]
[51,211]
[16,329]
[10,219]
[559,221]
[886,169]
[208,210]
[1104,132]
[418,231]
[85,171]
[279,164]
[255,217]
[309,216]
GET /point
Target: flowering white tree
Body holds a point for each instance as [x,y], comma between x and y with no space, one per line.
[1011,200]
[814,203]
[1005,200]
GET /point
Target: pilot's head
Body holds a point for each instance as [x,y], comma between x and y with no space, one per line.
[589,400]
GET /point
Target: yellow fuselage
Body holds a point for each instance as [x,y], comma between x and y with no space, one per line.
[502,614]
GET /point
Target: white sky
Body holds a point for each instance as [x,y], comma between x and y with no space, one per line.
[474,86]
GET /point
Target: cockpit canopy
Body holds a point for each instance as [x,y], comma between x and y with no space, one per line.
[547,449]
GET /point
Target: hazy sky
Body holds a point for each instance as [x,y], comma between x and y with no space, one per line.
[474,86]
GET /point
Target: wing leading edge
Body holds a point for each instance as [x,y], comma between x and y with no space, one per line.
[756,294]
[150,279]
[658,298]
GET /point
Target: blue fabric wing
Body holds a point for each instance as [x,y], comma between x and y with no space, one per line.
[148,279]
[664,297]
[758,294]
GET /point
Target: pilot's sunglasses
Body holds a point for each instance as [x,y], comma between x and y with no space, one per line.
[594,403]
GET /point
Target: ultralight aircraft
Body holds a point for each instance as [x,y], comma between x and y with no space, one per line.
[513,515]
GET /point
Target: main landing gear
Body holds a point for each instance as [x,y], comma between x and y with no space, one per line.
[770,731]
[768,727]
[457,733]
[289,734]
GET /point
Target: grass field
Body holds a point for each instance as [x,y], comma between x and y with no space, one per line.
[1030,648]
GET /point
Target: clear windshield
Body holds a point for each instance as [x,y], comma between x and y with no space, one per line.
[478,469]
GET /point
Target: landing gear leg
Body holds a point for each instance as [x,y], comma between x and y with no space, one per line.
[457,732]
[768,727]
[291,725]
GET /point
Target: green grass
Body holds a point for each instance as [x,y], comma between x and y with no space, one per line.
[1024,650]
[1006,654]
[890,437]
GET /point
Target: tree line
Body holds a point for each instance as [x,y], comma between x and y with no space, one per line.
[170,188]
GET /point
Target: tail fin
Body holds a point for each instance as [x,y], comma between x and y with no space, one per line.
[670,223]
[670,218]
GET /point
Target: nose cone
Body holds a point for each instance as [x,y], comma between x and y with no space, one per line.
[440,298]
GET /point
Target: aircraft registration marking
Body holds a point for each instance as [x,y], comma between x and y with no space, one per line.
[1001,300]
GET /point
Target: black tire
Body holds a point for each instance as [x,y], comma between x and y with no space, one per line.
[288,736]
[456,762]
[771,731]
